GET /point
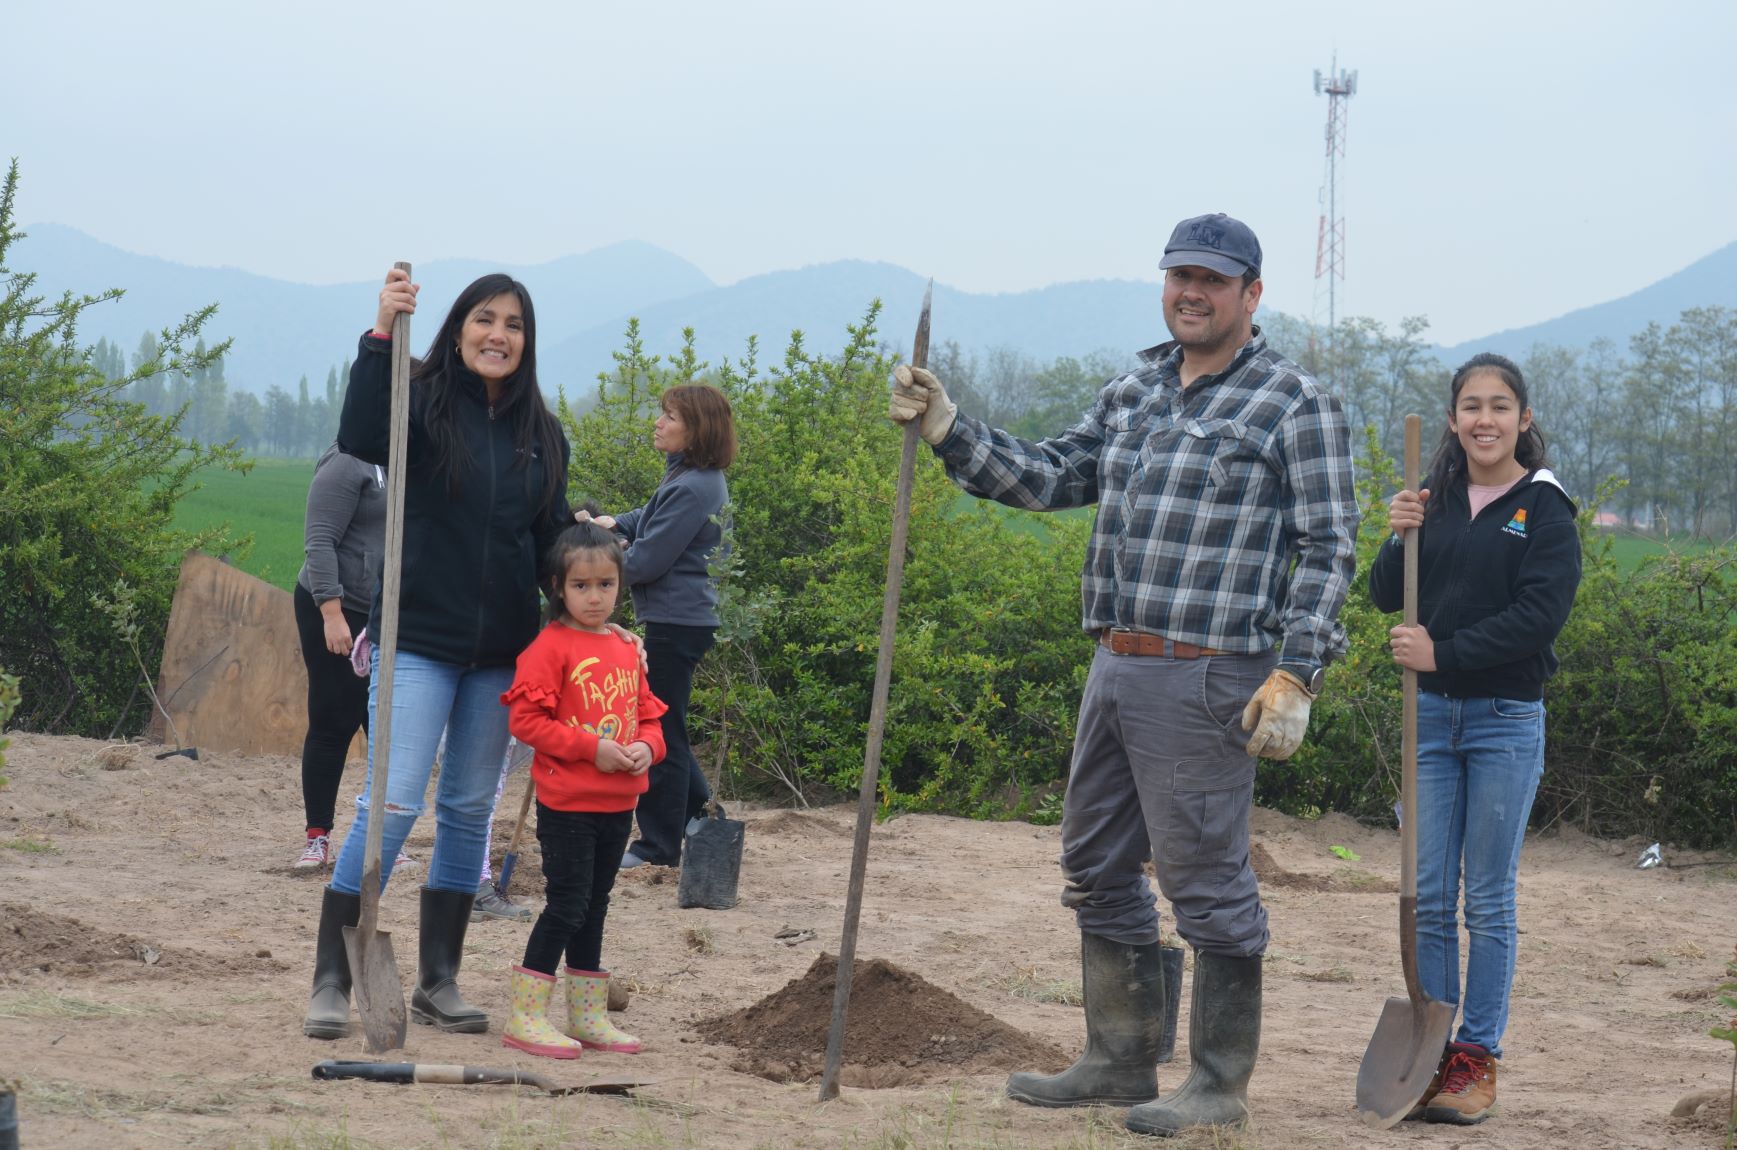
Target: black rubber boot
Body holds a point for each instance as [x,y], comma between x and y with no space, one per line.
[1123,987]
[436,1001]
[1224,1035]
[329,1008]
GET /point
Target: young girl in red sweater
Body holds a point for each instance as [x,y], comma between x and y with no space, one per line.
[580,700]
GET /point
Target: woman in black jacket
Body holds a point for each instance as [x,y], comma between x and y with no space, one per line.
[485,496]
[1499,561]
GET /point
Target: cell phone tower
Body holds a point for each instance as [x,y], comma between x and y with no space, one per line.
[1338,86]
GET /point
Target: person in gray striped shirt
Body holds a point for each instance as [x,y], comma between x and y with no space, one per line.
[1220,556]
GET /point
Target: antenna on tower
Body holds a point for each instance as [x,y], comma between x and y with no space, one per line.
[1339,87]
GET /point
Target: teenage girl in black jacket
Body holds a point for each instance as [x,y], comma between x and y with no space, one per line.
[485,496]
[1499,561]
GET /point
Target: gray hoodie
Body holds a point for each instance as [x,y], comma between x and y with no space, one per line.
[345,535]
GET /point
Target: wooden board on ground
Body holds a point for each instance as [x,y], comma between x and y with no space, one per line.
[232,676]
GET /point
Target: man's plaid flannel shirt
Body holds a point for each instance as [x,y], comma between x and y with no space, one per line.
[1227,514]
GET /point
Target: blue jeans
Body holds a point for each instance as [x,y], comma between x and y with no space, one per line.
[429,697]
[1478,766]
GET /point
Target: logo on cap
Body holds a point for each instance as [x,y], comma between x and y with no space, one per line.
[1206,234]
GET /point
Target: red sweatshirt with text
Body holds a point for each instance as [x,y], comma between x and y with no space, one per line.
[571,689]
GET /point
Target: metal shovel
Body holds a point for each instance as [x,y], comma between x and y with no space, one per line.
[373,966]
[406,1073]
[1413,1031]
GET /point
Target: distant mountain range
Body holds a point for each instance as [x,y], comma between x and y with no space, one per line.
[284,330]
[1709,281]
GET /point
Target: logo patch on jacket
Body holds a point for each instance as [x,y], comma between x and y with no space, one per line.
[1517,525]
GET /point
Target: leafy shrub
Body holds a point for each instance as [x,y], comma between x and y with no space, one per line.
[8,704]
[88,485]
[990,663]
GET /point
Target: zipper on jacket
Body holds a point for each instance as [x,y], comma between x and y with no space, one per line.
[482,571]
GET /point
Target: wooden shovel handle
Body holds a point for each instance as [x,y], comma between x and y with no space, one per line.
[380,734]
[524,811]
[1408,752]
[865,807]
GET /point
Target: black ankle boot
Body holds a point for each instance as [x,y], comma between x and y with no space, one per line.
[436,1001]
[329,1008]
[1224,1035]
[1123,987]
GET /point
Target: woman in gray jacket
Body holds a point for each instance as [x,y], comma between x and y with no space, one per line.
[670,544]
[343,539]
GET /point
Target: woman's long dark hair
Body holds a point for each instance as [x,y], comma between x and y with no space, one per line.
[521,402]
[1449,462]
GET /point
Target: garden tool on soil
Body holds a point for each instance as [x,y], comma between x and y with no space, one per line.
[512,857]
[1413,1031]
[373,966]
[871,768]
[403,1073]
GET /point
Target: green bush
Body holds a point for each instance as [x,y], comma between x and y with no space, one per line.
[88,485]
[8,704]
[989,659]
[989,663]
[1642,735]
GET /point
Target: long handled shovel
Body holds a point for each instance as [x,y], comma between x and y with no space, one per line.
[512,857]
[871,767]
[373,966]
[1413,1031]
[406,1073]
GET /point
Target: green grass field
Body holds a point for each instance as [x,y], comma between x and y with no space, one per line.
[268,504]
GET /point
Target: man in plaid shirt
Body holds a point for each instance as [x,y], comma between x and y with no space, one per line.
[1220,556]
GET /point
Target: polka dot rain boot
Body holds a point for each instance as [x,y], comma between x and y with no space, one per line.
[588,1013]
[529,1028]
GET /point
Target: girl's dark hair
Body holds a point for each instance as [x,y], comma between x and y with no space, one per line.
[1449,462]
[440,372]
[705,412]
[580,539]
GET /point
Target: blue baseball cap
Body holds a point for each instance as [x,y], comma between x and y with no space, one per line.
[1217,242]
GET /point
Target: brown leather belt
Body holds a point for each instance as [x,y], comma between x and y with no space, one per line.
[1120,642]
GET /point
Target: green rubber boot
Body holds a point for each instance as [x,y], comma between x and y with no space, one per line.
[1123,987]
[1224,1035]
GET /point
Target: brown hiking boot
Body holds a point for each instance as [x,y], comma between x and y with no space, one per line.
[1431,1090]
[1468,1087]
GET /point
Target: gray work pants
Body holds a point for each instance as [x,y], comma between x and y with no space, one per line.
[1160,771]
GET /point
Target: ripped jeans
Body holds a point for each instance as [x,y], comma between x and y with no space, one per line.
[429,697]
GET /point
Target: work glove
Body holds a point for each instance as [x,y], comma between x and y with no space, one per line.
[1278,715]
[917,394]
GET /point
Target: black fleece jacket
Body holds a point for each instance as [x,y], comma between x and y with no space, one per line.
[1493,592]
[469,589]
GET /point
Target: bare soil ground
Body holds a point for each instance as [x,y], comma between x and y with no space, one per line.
[156,947]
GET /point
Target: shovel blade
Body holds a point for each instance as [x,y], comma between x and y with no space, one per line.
[1401,1059]
[379,991]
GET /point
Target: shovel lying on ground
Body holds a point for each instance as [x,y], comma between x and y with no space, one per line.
[403,1073]
[865,808]
[373,966]
[1413,1031]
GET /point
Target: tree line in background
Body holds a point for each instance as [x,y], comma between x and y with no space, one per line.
[990,662]
[298,426]
[1659,417]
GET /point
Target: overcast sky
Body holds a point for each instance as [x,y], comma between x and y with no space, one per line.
[1505,162]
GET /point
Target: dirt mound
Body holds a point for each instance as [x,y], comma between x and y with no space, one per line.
[901,1030]
[1345,880]
[31,940]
